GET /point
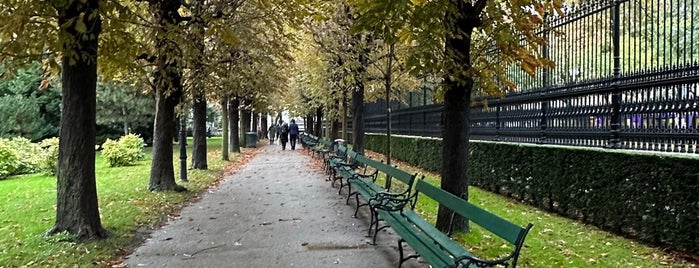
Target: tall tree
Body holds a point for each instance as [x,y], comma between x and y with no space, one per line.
[199,105]
[168,87]
[77,210]
[224,127]
[468,43]
[233,120]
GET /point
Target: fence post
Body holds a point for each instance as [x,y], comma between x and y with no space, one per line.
[498,107]
[543,124]
[614,140]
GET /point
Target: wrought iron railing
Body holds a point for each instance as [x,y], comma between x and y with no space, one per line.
[626,76]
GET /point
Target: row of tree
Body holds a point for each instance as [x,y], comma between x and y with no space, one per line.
[364,50]
[179,51]
[315,58]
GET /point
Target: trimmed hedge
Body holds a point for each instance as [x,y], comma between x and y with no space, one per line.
[651,197]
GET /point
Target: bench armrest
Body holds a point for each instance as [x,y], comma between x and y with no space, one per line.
[389,201]
[371,176]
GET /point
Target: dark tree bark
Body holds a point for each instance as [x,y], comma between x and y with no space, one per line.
[245,117]
[168,83]
[255,120]
[264,125]
[224,126]
[358,119]
[233,119]
[77,210]
[319,122]
[199,149]
[335,130]
[457,102]
[308,125]
[199,160]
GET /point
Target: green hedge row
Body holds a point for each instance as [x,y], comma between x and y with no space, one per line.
[650,197]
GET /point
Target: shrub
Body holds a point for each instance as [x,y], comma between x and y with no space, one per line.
[18,156]
[123,152]
[648,196]
[28,155]
[8,159]
[49,156]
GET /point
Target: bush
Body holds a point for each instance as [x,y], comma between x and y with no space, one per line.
[8,159]
[18,156]
[123,152]
[49,156]
[28,155]
[648,196]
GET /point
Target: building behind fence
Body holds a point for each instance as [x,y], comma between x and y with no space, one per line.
[626,76]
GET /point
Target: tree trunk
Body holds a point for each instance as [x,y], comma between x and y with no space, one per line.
[358,120]
[343,121]
[455,118]
[255,121]
[319,122]
[233,119]
[162,174]
[245,119]
[264,125]
[224,128]
[308,125]
[199,160]
[335,130]
[168,83]
[77,210]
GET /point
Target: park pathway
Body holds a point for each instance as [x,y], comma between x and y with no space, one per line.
[276,211]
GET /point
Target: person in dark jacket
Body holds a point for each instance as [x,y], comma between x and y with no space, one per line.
[284,135]
[293,133]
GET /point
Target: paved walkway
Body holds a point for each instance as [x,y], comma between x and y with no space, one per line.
[276,211]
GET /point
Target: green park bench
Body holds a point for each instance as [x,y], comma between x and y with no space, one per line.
[342,168]
[308,140]
[435,247]
[367,188]
[333,158]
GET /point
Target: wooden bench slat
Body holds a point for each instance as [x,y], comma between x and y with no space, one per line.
[446,242]
[493,223]
[420,244]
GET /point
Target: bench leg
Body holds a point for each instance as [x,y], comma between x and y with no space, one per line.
[358,205]
[332,178]
[377,229]
[349,193]
[403,259]
[374,223]
[371,222]
[339,191]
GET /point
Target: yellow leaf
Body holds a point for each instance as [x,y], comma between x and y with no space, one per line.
[44,84]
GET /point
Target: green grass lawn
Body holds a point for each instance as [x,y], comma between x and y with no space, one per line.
[28,203]
[27,209]
[553,242]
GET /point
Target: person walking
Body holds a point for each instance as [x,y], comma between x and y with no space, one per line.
[272,133]
[293,133]
[284,135]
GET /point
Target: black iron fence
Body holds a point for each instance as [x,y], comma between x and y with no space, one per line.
[626,76]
